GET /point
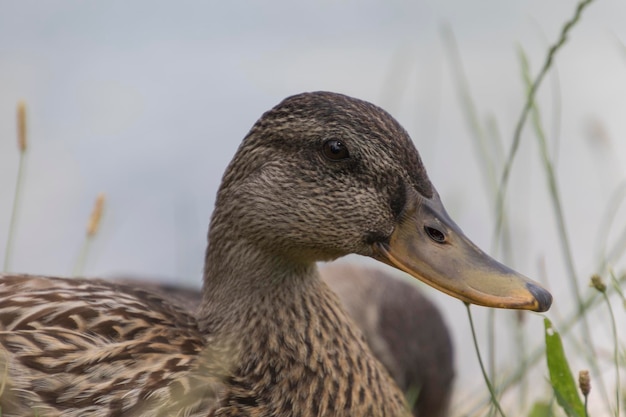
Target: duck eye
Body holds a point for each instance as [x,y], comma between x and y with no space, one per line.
[435,234]
[335,150]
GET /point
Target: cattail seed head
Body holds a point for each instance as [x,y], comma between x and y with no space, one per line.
[584,382]
[21,126]
[96,215]
[598,283]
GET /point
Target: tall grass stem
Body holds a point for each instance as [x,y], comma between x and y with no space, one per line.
[22,147]
[492,392]
[530,99]
[564,241]
[618,389]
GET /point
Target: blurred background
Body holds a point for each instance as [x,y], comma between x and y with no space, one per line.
[147,101]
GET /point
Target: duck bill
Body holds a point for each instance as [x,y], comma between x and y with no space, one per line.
[429,246]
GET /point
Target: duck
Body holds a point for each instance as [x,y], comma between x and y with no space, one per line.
[402,327]
[319,176]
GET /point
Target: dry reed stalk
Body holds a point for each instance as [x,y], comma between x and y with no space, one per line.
[93,225]
[96,215]
[22,146]
[21,126]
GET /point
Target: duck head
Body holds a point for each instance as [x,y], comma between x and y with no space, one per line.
[322,175]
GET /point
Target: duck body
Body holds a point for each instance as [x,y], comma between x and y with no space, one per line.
[319,176]
[100,349]
[404,330]
[69,345]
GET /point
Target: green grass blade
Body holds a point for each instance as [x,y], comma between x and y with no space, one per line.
[529,103]
[541,409]
[561,376]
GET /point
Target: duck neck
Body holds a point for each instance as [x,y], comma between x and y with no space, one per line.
[242,280]
[286,335]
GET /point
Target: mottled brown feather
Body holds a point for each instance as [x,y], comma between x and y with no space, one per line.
[403,328]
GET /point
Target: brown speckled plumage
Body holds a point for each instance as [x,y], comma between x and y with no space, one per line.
[270,338]
[86,347]
[404,329]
